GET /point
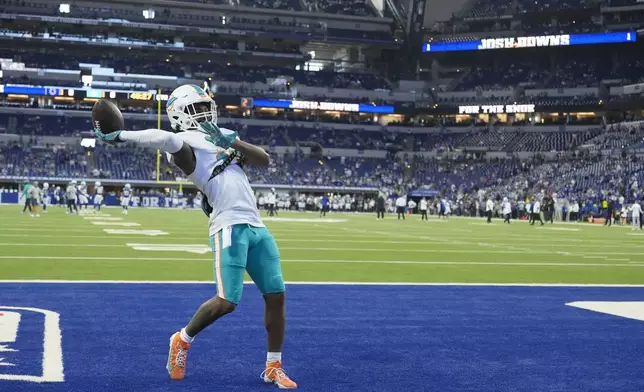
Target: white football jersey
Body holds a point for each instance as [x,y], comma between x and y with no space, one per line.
[229,193]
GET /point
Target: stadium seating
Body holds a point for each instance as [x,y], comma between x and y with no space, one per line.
[579,172]
[508,76]
[176,15]
[142,64]
[489,8]
[581,71]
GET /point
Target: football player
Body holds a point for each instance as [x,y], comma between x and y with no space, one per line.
[83,197]
[35,194]
[57,196]
[125,198]
[70,196]
[27,197]
[212,158]
[98,196]
[46,198]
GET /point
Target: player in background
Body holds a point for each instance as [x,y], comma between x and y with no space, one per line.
[35,195]
[574,211]
[447,211]
[380,204]
[70,195]
[401,202]
[271,199]
[126,194]
[198,200]
[61,195]
[212,158]
[174,198]
[636,214]
[57,196]
[98,196]
[275,209]
[410,206]
[324,205]
[506,210]
[440,208]
[261,201]
[536,212]
[179,202]
[270,203]
[25,195]
[423,209]
[46,197]
[83,197]
[489,209]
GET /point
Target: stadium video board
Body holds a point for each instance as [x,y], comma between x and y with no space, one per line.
[538,41]
[326,106]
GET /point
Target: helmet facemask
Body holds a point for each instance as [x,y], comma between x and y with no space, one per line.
[194,114]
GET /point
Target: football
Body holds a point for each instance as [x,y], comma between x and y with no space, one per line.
[107,117]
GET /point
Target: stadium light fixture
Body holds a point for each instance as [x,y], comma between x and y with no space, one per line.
[88,143]
[149,13]
[64,8]
[87,80]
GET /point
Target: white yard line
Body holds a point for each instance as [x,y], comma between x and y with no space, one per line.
[343,239]
[495,249]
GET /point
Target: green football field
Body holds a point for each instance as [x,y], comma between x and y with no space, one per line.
[163,244]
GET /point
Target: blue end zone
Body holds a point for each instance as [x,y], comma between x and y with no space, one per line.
[339,338]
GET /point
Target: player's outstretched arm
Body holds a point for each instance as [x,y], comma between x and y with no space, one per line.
[226,138]
[254,155]
[182,153]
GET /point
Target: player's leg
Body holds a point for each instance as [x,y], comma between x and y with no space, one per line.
[265,269]
[636,222]
[34,207]
[230,250]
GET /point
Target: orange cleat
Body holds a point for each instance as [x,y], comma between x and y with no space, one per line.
[275,374]
[177,357]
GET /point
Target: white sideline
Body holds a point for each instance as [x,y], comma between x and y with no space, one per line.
[209,282]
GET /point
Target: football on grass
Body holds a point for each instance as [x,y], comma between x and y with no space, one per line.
[107,117]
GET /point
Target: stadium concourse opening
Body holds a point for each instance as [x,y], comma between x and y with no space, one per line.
[444,201]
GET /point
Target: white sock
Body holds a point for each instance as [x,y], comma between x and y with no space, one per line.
[185,337]
[273,357]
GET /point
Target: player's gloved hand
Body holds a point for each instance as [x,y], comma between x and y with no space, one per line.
[223,138]
[112,137]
